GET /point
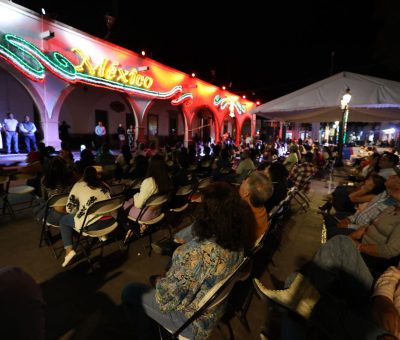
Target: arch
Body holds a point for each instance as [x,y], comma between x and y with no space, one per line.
[246,120]
[82,106]
[232,129]
[29,86]
[33,91]
[195,125]
[164,123]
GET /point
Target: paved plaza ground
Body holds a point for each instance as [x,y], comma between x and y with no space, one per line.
[85,306]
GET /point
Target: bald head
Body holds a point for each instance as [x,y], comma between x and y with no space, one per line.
[257,189]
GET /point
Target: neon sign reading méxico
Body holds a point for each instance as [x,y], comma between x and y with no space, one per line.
[32,62]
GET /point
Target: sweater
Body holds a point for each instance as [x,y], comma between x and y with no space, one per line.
[81,198]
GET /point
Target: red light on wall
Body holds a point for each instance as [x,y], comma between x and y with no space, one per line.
[193,74]
[143,53]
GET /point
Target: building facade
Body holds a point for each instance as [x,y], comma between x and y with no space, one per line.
[56,73]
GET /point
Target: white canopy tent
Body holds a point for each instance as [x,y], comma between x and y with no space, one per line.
[373,100]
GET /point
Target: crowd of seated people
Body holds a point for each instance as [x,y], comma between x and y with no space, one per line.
[164,171]
[220,242]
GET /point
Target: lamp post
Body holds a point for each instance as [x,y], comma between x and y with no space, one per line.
[344,103]
[336,127]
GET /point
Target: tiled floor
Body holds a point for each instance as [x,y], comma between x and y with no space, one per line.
[85,306]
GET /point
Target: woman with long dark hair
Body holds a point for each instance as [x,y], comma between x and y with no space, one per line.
[84,193]
[221,238]
[156,181]
[57,179]
[123,162]
[278,174]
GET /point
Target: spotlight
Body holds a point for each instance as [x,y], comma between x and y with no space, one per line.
[244,97]
[47,35]
[224,87]
[143,53]
[193,74]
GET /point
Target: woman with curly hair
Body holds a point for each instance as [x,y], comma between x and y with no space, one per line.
[221,238]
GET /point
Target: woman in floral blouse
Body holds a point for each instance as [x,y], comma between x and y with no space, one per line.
[221,238]
[84,193]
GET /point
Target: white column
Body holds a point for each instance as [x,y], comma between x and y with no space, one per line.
[315,131]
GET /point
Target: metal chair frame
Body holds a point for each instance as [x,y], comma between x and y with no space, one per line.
[99,208]
[45,235]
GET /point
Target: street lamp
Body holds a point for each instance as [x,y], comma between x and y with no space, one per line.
[336,127]
[344,103]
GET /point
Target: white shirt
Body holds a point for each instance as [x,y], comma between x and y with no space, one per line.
[100,130]
[386,173]
[147,189]
[10,124]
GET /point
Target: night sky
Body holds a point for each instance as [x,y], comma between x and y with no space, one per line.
[263,50]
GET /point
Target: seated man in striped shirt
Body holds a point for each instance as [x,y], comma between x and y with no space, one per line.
[362,217]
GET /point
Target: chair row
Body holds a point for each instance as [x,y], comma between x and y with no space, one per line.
[158,202]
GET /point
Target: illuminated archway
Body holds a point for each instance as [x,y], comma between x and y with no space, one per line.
[84,106]
[229,126]
[204,125]
[164,123]
[20,97]
[245,129]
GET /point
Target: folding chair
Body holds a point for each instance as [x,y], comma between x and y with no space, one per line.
[183,194]
[203,183]
[215,296]
[58,200]
[117,189]
[4,180]
[100,208]
[241,311]
[133,187]
[17,190]
[156,201]
[205,168]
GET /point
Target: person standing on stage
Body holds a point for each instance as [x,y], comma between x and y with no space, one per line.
[28,129]
[121,135]
[131,136]
[63,130]
[100,132]
[10,127]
